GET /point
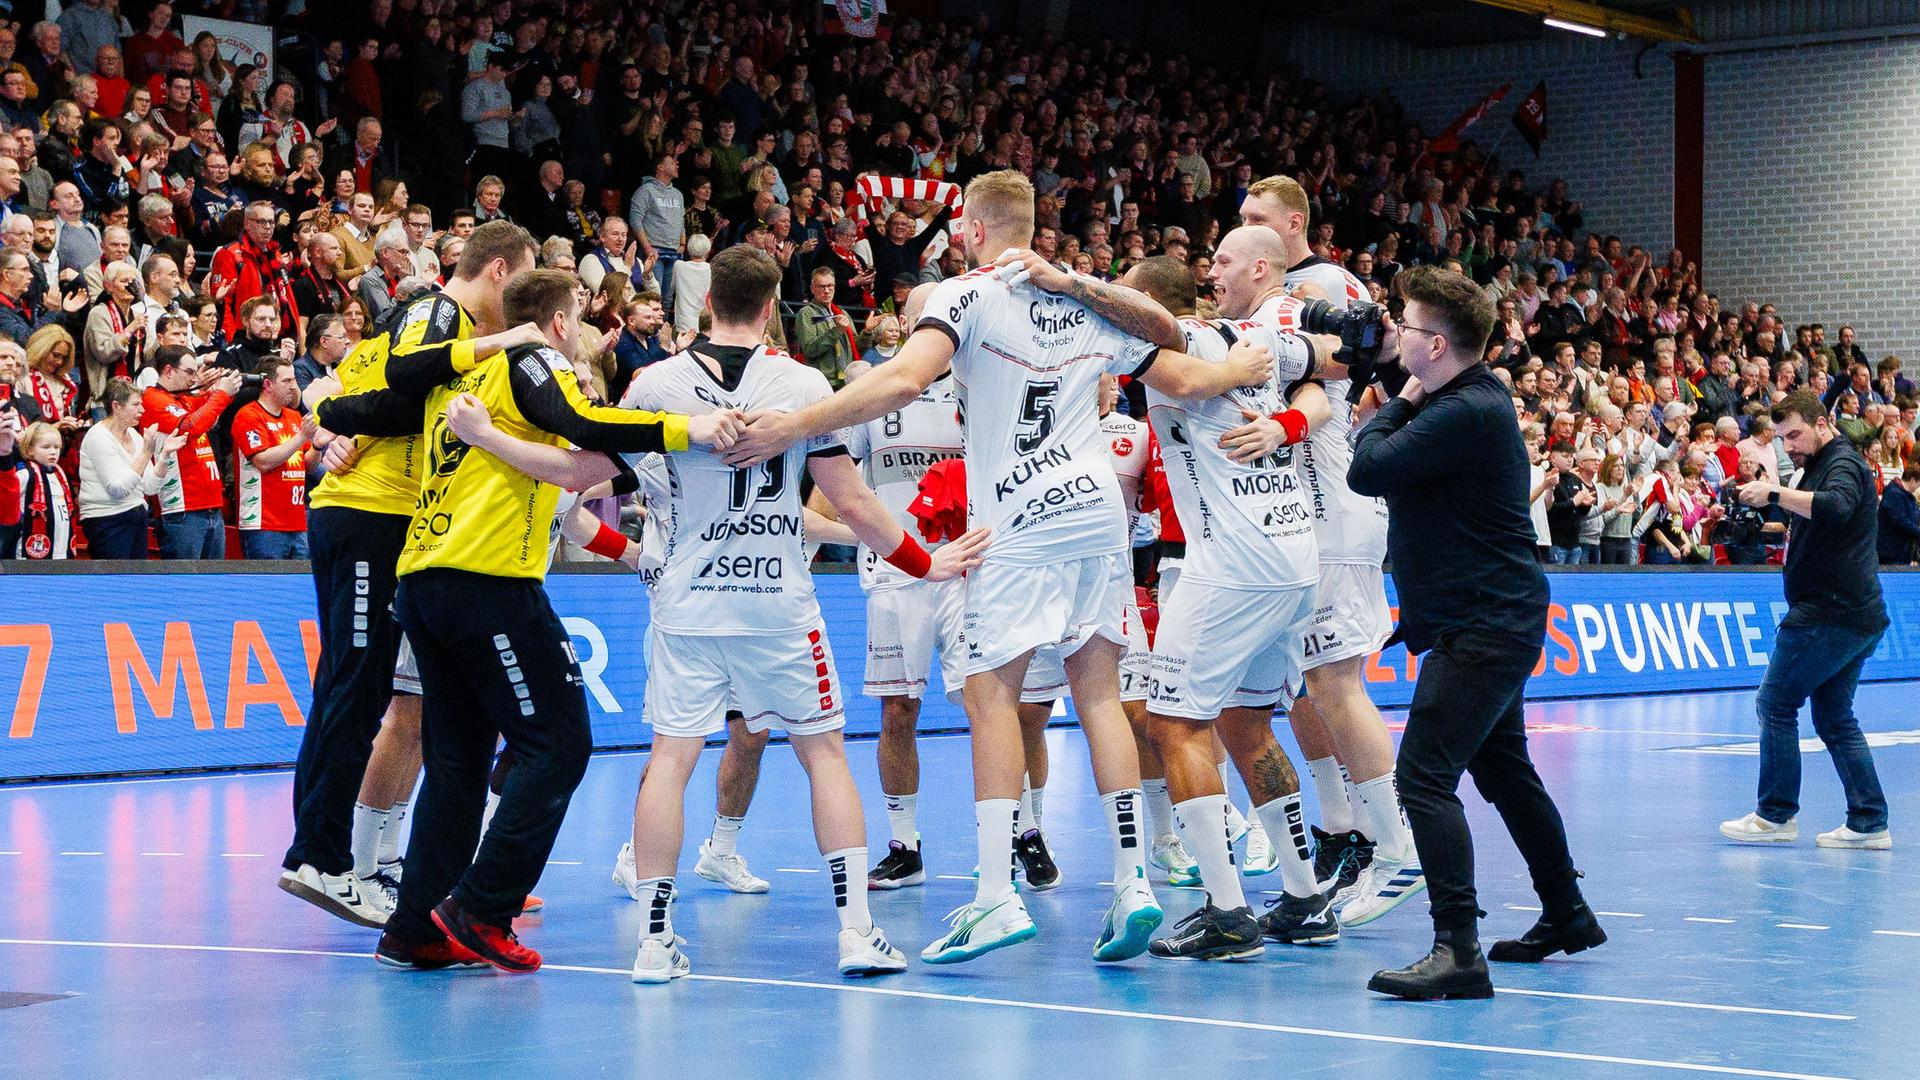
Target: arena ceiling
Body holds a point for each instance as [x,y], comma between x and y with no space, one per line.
[1467,22]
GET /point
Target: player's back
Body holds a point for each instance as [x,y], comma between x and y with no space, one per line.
[1028,366]
[1247,524]
[895,452]
[735,563]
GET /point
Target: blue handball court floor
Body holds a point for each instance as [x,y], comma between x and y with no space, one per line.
[141,935]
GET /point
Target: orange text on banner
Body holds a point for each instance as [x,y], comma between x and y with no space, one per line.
[249,644]
[179,663]
[38,639]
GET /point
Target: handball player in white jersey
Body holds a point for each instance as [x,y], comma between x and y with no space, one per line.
[1027,356]
[1366,847]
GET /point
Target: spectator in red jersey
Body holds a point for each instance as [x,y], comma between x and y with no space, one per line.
[252,266]
[150,51]
[45,510]
[191,524]
[270,438]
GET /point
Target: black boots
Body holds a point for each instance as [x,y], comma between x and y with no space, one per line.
[1572,932]
[1454,970]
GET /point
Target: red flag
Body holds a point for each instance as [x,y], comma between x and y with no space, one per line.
[1449,140]
[1531,118]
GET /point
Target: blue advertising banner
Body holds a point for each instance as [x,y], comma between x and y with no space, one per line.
[120,673]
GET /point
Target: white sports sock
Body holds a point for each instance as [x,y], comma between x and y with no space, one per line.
[390,836]
[1381,820]
[1289,834]
[368,824]
[993,827]
[848,869]
[659,894]
[901,812]
[1123,823]
[1330,786]
[1023,815]
[1159,810]
[1035,796]
[1236,821]
[726,834]
[1203,826]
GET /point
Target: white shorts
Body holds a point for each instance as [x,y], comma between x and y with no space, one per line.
[783,681]
[1220,648]
[1047,676]
[1349,614]
[406,670]
[1169,577]
[1011,609]
[904,625]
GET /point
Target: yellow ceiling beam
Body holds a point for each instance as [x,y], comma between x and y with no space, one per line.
[1640,26]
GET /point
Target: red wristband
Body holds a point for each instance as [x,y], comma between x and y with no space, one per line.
[608,543]
[1294,422]
[910,558]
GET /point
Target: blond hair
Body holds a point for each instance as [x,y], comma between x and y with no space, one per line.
[1288,192]
[1002,200]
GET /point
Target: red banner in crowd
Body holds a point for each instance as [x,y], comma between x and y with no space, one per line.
[1531,118]
[1449,140]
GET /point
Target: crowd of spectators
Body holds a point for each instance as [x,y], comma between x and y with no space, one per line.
[173,223]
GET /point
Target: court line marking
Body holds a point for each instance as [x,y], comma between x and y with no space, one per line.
[1899,933]
[1038,1006]
[1801,926]
[163,854]
[953,877]
[563,862]
[9,853]
[241,855]
[1622,914]
[83,853]
[795,870]
[1755,1010]
[1700,918]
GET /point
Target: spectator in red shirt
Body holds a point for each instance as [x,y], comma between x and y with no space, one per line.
[109,76]
[149,52]
[191,524]
[270,438]
[252,266]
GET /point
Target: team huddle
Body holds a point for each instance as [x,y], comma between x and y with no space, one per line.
[475,444]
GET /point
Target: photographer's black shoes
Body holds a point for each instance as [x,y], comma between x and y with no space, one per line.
[1573,932]
[1453,971]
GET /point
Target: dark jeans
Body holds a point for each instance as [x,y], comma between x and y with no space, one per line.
[1466,717]
[117,536]
[268,544]
[1575,555]
[1618,550]
[193,534]
[494,660]
[663,275]
[1821,662]
[354,553]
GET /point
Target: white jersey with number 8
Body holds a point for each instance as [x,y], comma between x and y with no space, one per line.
[894,452]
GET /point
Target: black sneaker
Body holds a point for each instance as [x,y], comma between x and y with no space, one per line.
[1036,862]
[1292,920]
[1338,858]
[902,867]
[1211,933]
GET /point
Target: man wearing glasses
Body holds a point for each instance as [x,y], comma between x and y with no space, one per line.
[251,266]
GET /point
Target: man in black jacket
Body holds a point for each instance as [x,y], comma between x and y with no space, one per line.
[1900,519]
[1835,619]
[1450,463]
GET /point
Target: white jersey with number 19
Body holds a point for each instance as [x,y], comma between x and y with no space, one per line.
[1028,364]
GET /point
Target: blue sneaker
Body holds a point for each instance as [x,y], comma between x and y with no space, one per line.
[979,930]
[1131,921]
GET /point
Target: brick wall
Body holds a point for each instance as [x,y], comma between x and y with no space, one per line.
[1609,134]
[1812,183]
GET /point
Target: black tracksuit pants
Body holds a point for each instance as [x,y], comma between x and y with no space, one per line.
[353,554]
[1466,717]
[494,661]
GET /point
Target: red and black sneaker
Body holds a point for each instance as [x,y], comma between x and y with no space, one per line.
[496,945]
[432,956]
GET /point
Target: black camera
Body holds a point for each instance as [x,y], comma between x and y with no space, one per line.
[1359,327]
[1742,525]
[252,381]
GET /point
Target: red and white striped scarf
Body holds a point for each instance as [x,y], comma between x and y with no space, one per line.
[871,193]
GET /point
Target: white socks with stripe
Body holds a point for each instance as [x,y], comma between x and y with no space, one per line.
[1330,786]
[390,835]
[726,835]
[901,814]
[1382,820]
[659,894]
[993,828]
[847,868]
[1159,810]
[1203,827]
[1123,823]
[1289,834]
[1236,821]
[368,826]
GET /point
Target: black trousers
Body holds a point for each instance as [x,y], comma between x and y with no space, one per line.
[494,660]
[353,554]
[117,536]
[1466,717]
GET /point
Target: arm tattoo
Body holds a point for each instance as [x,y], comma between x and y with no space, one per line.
[1129,311]
[1273,776]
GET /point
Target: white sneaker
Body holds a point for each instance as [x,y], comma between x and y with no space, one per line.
[625,874]
[1131,920]
[660,961]
[387,883]
[1261,856]
[1238,824]
[980,930]
[343,895]
[1171,855]
[729,870]
[1384,885]
[869,953]
[1844,837]
[1754,829]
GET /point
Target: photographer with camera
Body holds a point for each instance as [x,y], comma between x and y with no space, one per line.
[189,399]
[1835,619]
[1446,456]
[1742,531]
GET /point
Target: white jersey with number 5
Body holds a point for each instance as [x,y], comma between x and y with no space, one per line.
[1028,366]
[894,452]
[1352,528]
[735,563]
[1247,523]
